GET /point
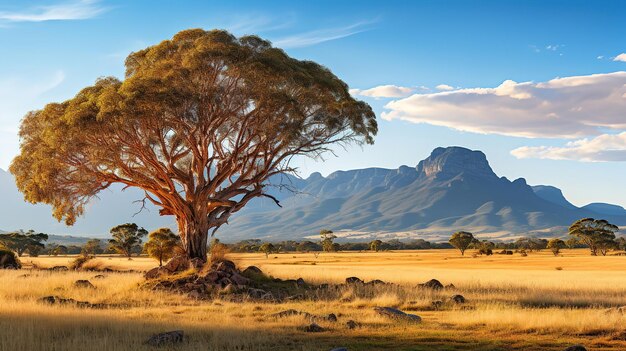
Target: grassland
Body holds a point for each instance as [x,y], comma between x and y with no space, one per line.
[539,302]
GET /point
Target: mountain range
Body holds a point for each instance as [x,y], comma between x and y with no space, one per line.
[453,189]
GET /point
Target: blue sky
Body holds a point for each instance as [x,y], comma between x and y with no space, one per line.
[542,124]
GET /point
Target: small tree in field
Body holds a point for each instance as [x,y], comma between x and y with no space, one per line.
[555,245]
[92,248]
[126,238]
[327,240]
[267,249]
[462,241]
[597,234]
[162,244]
[376,245]
[200,124]
[58,250]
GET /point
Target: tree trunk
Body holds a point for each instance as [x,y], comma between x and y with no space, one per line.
[194,239]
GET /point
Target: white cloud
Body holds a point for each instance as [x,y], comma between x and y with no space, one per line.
[621,57]
[321,35]
[384,91]
[603,148]
[570,107]
[73,10]
[444,87]
[600,57]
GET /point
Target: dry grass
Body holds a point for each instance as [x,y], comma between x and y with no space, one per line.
[515,303]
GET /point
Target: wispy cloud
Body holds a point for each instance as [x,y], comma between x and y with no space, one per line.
[322,35]
[72,10]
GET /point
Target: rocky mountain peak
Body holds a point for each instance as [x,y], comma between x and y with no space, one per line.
[451,161]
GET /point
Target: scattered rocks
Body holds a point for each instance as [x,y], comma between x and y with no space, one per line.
[99,276]
[397,315]
[58,269]
[56,300]
[331,317]
[433,284]
[458,299]
[300,282]
[450,287]
[354,280]
[314,328]
[576,348]
[84,284]
[352,324]
[156,272]
[339,349]
[167,338]
[177,264]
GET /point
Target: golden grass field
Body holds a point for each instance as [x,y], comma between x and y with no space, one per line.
[539,302]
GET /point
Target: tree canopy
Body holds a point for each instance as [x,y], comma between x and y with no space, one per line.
[162,244]
[21,242]
[597,234]
[462,240]
[126,238]
[199,123]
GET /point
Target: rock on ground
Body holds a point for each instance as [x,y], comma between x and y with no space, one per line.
[433,284]
[167,338]
[576,348]
[313,328]
[84,284]
[397,315]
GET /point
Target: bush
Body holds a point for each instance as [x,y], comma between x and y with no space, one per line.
[217,252]
[79,262]
[8,259]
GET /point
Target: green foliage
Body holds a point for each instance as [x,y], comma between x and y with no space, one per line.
[327,240]
[375,245]
[162,244]
[126,238]
[22,242]
[597,234]
[267,249]
[555,245]
[92,248]
[462,241]
[484,247]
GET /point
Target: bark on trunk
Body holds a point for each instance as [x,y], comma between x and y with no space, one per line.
[194,238]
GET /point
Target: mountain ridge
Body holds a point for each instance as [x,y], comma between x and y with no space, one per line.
[454,188]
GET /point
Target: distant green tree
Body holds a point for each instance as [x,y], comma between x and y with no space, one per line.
[597,234]
[22,242]
[162,244]
[92,247]
[621,243]
[307,246]
[555,245]
[327,240]
[484,247]
[375,245]
[56,250]
[572,242]
[267,249]
[126,237]
[462,241]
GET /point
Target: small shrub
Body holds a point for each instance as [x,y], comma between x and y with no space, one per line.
[8,259]
[218,252]
[80,261]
